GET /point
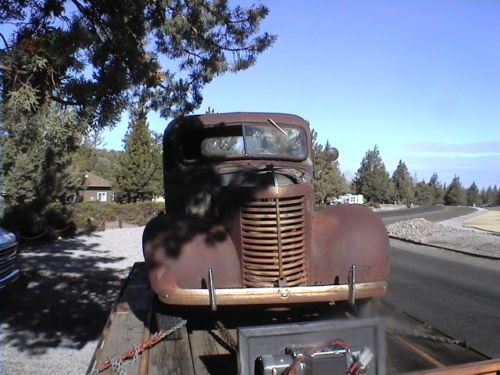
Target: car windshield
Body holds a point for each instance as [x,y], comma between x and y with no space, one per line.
[258,140]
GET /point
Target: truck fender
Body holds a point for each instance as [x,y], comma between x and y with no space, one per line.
[347,235]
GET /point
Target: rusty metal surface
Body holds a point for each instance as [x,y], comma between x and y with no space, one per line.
[273,237]
[252,221]
[185,179]
[345,235]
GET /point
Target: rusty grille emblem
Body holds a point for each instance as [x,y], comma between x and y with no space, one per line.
[273,242]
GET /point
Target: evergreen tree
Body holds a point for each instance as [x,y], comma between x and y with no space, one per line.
[136,167]
[69,66]
[403,184]
[494,196]
[489,196]
[372,179]
[156,183]
[483,196]
[37,147]
[329,181]
[438,190]
[36,155]
[473,196]
[424,193]
[162,52]
[455,194]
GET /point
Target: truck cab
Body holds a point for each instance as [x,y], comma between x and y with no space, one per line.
[240,227]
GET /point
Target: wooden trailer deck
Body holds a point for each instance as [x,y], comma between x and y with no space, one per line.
[199,348]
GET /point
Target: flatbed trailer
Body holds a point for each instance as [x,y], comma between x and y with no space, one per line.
[203,347]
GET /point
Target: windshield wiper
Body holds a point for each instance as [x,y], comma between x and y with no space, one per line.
[276,125]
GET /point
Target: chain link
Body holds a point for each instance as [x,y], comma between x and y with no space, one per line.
[228,338]
[417,334]
[117,363]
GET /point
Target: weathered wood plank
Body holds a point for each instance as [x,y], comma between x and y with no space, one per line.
[172,357]
[126,330]
[209,356]
[136,294]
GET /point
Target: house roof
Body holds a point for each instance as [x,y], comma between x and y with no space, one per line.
[92,180]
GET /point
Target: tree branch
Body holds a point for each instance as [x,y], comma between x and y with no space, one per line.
[9,69]
[63,101]
[5,41]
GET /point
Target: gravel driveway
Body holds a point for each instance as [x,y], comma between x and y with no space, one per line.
[51,319]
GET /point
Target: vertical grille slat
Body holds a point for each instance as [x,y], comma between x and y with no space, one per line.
[7,260]
[273,242]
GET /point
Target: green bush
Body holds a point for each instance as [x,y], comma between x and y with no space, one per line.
[134,213]
[30,222]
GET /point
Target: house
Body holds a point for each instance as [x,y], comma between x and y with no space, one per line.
[349,199]
[96,189]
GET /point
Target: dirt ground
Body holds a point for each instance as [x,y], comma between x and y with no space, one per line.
[489,221]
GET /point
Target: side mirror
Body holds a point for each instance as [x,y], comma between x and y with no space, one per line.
[332,154]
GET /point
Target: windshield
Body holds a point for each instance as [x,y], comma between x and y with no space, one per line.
[257,140]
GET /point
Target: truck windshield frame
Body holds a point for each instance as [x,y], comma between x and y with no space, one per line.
[250,141]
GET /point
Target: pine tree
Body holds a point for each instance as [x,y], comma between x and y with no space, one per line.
[473,196]
[372,179]
[36,153]
[137,165]
[424,193]
[403,184]
[494,195]
[156,183]
[483,196]
[488,196]
[438,190]
[37,146]
[329,181]
[67,67]
[455,194]
[161,51]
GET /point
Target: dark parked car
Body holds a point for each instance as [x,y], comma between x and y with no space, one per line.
[8,255]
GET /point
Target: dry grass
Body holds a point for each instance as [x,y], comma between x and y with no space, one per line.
[489,221]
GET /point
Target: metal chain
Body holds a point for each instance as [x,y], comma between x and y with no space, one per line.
[414,333]
[169,331]
[117,363]
[43,233]
[228,338]
[117,366]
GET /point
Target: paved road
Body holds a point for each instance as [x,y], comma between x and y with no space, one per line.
[432,213]
[458,294]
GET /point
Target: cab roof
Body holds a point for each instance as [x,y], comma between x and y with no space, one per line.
[249,117]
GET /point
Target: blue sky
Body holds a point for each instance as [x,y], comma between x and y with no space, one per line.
[419,78]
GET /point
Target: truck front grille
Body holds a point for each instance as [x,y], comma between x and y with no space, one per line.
[7,260]
[273,242]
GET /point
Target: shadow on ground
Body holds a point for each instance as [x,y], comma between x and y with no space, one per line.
[63,297]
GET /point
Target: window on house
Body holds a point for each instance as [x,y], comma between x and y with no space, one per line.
[70,198]
[102,196]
